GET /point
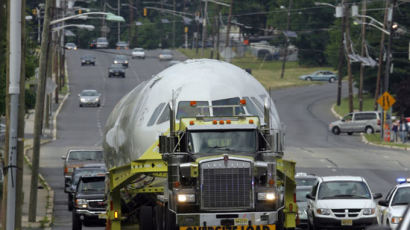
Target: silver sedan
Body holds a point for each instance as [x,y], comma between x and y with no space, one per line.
[89,97]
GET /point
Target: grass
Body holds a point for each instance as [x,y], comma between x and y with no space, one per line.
[268,73]
[375,138]
[343,109]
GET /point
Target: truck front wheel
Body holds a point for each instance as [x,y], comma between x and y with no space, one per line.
[77,225]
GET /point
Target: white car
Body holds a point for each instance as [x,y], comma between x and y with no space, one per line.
[165,55]
[391,209]
[138,53]
[341,202]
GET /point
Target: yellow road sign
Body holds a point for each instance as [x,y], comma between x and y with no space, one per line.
[386,101]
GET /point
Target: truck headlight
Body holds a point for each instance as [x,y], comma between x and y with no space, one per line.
[115,62]
[269,196]
[323,211]
[368,211]
[81,203]
[184,198]
[396,219]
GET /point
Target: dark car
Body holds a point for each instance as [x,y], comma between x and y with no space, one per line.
[89,201]
[93,44]
[87,60]
[116,70]
[85,170]
[121,59]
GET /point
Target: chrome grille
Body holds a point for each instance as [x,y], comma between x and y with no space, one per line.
[226,185]
[96,204]
[352,212]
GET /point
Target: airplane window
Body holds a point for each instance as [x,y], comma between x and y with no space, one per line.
[155,114]
[186,110]
[227,111]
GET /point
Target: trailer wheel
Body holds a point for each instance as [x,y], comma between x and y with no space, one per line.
[146,218]
[77,225]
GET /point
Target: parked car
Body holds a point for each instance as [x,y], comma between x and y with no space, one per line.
[356,122]
[341,202]
[121,59]
[89,201]
[85,170]
[89,97]
[301,200]
[305,179]
[102,42]
[70,46]
[78,157]
[320,76]
[138,53]
[165,55]
[116,70]
[122,45]
[87,60]
[93,44]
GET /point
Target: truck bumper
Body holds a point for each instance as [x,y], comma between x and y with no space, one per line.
[83,213]
[223,219]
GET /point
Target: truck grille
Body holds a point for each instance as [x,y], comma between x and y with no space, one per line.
[96,204]
[226,185]
[346,212]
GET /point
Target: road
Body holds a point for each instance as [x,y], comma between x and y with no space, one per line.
[305,111]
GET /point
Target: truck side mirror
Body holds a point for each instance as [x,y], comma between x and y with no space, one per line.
[63,157]
[383,203]
[309,196]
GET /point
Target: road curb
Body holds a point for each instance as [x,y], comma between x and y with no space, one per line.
[363,137]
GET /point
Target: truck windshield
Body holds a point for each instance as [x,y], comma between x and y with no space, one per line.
[92,187]
[238,141]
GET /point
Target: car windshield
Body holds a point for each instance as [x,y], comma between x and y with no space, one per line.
[87,57]
[89,93]
[301,194]
[120,57]
[91,186]
[70,44]
[402,196]
[166,52]
[344,190]
[238,141]
[116,66]
[86,172]
[139,49]
[305,181]
[85,155]
[102,40]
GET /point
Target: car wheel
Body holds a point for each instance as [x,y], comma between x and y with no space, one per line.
[109,75]
[369,130]
[98,105]
[332,79]
[77,225]
[312,226]
[336,130]
[81,105]
[349,133]
[308,79]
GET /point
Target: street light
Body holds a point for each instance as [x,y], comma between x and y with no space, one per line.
[108,17]
[80,26]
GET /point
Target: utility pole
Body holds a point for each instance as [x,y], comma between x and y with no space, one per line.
[173,25]
[204,27]
[389,44]
[228,26]
[39,109]
[349,66]
[379,68]
[282,74]
[341,56]
[118,23]
[364,6]
[217,32]
[15,55]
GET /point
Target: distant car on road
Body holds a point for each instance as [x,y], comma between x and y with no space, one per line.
[357,122]
[138,53]
[116,70]
[165,55]
[320,76]
[88,60]
[121,45]
[70,46]
[102,42]
[305,179]
[78,157]
[89,97]
[301,200]
[121,59]
[341,202]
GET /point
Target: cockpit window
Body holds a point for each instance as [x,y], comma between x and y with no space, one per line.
[251,108]
[229,110]
[155,114]
[186,110]
[237,141]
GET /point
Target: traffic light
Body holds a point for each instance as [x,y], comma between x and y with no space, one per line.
[145,11]
[186,29]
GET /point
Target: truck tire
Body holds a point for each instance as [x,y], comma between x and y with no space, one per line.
[146,218]
[77,225]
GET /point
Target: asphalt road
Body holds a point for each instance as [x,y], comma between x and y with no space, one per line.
[305,112]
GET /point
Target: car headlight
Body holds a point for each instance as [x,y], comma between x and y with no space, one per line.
[82,60]
[368,211]
[81,203]
[115,62]
[266,196]
[111,71]
[396,219]
[82,100]
[184,198]
[126,62]
[323,211]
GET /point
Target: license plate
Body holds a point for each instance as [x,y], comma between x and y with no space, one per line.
[241,221]
[242,227]
[347,222]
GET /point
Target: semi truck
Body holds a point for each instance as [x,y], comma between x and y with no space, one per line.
[198,146]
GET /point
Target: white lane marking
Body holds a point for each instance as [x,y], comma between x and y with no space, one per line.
[386,157]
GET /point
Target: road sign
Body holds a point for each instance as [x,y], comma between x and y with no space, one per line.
[386,101]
